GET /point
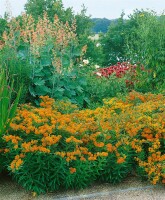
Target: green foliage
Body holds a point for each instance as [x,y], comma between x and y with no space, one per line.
[3,26]
[7,110]
[65,107]
[94,51]
[17,69]
[101,25]
[44,65]
[84,23]
[84,26]
[36,8]
[86,173]
[66,86]
[7,107]
[146,45]
[115,173]
[100,88]
[114,42]
[42,173]
[40,177]
[140,39]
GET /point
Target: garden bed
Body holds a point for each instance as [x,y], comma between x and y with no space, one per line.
[55,147]
[68,122]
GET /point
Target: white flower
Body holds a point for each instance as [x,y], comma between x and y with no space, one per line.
[86,62]
[98,74]
[98,44]
[97,66]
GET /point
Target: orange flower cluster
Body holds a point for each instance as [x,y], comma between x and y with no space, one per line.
[73,139]
[72,170]
[17,162]
[120,160]
[50,140]
[134,124]
[31,147]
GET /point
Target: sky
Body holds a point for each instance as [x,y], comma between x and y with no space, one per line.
[110,9]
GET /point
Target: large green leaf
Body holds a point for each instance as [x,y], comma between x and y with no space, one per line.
[38,81]
[42,90]
[79,89]
[45,61]
[22,52]
[38,69]
[32,91]
[65,61]
[47,48]
[60,89]
[76,51]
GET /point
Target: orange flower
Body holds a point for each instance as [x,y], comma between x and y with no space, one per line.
[82,158]
[6,150]
[163,181]
[101,144]
[68,159]
[108,137]
[72,170]
[18,163]
[92,158]
[120,160]
[109,147]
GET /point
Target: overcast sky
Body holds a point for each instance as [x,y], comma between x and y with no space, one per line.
[110,9]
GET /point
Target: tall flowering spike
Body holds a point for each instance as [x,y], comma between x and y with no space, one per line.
[59,36]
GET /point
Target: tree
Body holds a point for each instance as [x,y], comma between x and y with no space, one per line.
[84,30]
[101,25]
[114,42]
[146,45]
[53,7]
[84,23]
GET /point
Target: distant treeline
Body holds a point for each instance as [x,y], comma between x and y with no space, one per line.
[101,24]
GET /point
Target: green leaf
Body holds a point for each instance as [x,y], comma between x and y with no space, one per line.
[42,90]
[32,91]
[79,89]
[45,61]
[47,72]
[65,61]
[47,48]
[22,52]
[76,52]
[38,81]
[60,90]
[83,81]
[38,69]
[87,100]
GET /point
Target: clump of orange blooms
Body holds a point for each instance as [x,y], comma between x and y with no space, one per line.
[134,125]
[72,170]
